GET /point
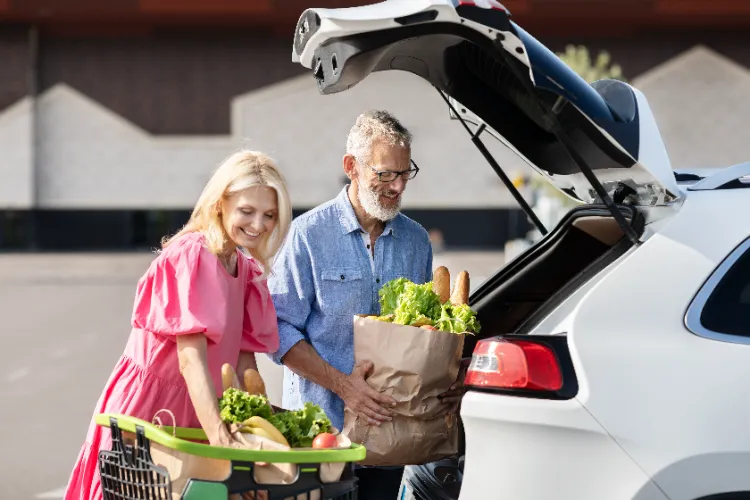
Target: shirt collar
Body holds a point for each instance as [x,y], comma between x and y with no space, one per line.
[348,218]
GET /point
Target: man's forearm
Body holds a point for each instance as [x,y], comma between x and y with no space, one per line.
[303,360]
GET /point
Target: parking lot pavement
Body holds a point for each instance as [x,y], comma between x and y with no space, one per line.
[65,320]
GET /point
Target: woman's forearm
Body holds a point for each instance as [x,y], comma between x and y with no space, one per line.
[191,351]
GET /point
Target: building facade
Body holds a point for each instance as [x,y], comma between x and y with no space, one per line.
[112,117]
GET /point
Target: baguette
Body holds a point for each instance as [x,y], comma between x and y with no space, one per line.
[441,283]
[460,293]
[254,382]
[229,377]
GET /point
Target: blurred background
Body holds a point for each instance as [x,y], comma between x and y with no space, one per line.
[114,113]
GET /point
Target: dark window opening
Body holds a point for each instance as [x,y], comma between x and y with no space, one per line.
[727,310]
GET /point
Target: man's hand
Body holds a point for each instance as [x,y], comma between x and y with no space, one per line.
[453,395]
[369,405]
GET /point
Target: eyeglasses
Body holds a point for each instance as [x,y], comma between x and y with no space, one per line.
[392,175]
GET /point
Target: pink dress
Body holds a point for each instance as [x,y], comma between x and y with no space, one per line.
[185,290]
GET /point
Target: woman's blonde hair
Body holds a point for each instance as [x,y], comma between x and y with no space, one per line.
[240,171]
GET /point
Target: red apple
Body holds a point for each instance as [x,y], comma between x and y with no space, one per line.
[325,440]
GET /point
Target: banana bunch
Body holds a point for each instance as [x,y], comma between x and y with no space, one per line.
[259,426]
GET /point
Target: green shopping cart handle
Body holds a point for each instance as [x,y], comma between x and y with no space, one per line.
[180,442]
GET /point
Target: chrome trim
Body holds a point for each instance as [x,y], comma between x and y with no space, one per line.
[692,318]
[721,177]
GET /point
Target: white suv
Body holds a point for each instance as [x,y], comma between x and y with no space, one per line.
[614,361]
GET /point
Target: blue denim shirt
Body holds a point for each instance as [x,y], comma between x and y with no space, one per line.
[322,277]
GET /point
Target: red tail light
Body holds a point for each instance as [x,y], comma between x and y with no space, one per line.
[514,364]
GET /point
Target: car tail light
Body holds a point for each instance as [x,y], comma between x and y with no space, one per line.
[501,363]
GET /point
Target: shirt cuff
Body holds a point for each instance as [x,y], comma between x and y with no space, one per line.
[289,336]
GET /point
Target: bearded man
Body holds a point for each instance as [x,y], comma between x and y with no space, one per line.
[336,258]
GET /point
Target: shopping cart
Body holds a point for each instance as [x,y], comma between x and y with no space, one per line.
[147,462]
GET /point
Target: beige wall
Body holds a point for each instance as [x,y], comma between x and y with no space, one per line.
[701,100]
[89,157]
[16,161]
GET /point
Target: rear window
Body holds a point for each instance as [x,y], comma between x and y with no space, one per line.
[727,309]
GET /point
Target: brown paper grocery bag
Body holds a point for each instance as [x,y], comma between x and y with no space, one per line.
[413,366]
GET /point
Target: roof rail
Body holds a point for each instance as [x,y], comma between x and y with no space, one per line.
[736,176]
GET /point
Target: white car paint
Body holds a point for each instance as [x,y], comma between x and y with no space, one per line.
[537,449]
[659,409]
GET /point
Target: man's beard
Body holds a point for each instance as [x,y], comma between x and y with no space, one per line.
[370,201]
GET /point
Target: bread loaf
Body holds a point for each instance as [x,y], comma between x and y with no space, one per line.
[254,382]
[460,293]
[441,283]
[229,377]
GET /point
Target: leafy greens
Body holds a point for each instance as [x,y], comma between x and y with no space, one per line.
[300,427]
[236,406]
[406,303]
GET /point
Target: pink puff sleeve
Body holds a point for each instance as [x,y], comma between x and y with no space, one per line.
[179,293]
[260,331]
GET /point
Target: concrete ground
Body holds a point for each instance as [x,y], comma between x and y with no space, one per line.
[65,320]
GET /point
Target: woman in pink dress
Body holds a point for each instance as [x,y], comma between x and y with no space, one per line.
[202,303]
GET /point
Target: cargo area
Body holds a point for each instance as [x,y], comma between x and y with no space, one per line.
[522,293]
[528,288]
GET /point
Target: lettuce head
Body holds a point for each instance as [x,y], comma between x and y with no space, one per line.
[457,319]
[406,303]
[237,406]
[409,303]
[300,427]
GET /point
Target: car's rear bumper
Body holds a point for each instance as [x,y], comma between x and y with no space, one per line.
[538,449]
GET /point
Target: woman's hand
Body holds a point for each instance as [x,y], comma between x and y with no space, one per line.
[222,437]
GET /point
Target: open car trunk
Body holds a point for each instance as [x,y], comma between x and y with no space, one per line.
[524,292]
[598,143]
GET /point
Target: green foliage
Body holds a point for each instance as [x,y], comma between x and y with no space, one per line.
[579,60]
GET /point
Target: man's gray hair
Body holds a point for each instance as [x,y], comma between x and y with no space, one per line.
[375,125]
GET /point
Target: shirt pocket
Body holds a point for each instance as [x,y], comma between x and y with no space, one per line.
[342,292]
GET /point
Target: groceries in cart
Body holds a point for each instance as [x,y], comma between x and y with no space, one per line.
[247,413]
[279,454]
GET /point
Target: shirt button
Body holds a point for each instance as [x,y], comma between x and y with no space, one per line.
[377,280]
[343,277]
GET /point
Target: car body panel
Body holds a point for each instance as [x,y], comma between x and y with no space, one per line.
[670,400]
[536,449]
[673,400]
